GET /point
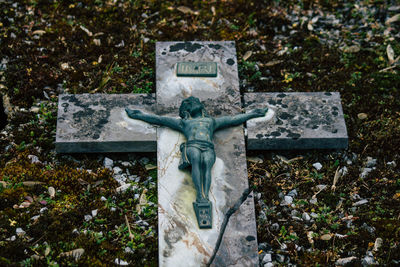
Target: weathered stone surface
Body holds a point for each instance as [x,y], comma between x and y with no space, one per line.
[181,242]
[296,121]
[98,123]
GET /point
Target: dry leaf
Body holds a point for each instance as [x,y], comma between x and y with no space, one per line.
[390,54]
[378,243]
[64,66]
[52,191]
[4,184]
[335,179]
[393,19]
[295,159]
[47,251]
[362,116]
[272,63]
[187,10]
[326,237]
[76,253]
[142,201]
[255,159]
[86,30]
[352,49]
[247,55]
[39,32]
[37,257]
[31,183]
[310,237]
[150,167]
[213,11]
[97,42]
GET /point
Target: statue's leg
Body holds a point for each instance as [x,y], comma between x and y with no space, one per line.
[208,160]
[194,156]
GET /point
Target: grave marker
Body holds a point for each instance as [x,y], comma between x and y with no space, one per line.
[98,123]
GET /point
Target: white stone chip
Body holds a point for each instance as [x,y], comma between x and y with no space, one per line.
[117,170]
[267,258]
[361,202]
[94,213]
[121,262]
[287,201]
[20,232]
[344,261]
[108,163]
[317,166]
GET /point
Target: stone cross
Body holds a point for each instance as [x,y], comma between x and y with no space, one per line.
[98,123]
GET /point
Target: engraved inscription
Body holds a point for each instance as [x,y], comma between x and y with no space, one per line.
[196,69]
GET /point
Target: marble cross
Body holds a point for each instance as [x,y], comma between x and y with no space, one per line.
[98,123]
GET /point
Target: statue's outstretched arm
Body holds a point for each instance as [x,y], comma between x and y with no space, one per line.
[228,121]
[155,119]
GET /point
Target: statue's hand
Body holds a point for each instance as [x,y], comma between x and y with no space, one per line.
[260,112]
[133,113]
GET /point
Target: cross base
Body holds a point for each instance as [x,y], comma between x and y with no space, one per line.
[203,212]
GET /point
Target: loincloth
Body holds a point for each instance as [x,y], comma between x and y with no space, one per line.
[203,146]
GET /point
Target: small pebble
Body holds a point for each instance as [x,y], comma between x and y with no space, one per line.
[287,201]
[103,198]
[368,260]
[391,164]
[267,258]
[275,227]
[314,201]
[88,218]
[293,193]
[20,232]
[317,166]
[128,250]
[34,218]
[42,210]
[378,243]
[123,188]
[117,170]
[365,172]
[371,162]
[305,216]
[94,213]
[343,171]
[126,164]
[108,163]
[361,202]
[34,159]
[369,229]
[344,261]
[121,262]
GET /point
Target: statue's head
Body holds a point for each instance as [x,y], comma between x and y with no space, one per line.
[189,106]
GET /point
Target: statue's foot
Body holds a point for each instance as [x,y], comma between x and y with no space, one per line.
[201,200]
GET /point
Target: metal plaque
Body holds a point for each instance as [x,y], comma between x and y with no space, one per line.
[196,69]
